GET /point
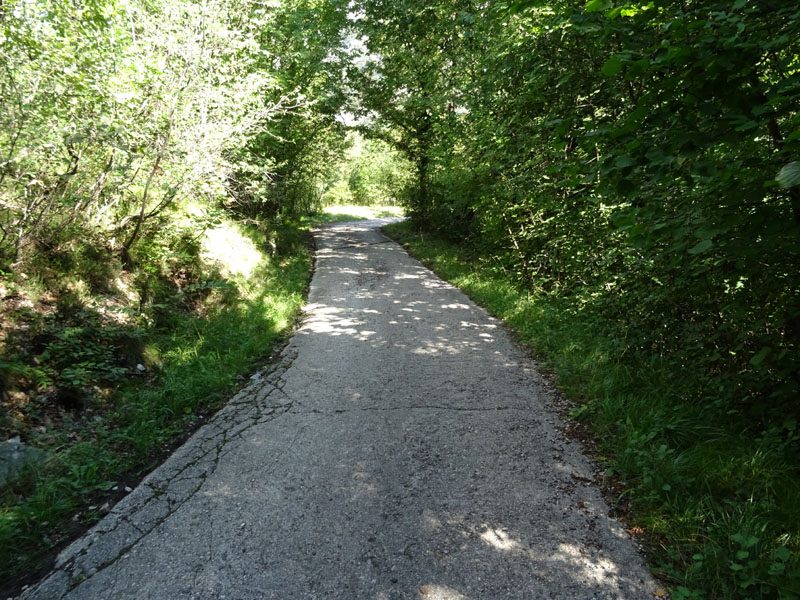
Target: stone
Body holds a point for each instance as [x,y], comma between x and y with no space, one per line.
[14,455]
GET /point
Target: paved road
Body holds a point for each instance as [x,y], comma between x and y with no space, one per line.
[402,449]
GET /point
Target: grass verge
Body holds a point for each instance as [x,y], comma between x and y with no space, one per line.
[100,448]
[714,503]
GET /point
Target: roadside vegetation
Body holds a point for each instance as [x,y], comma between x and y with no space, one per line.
[711,494]
[620,181]
[161,165]
[116,385]
[127,383]
[151,238]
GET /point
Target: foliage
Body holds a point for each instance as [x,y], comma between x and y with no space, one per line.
[82,350]
[645,153]
[112,113]
[370,173]
[632,166]
[400,95]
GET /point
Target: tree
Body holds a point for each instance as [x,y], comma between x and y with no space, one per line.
[402,87]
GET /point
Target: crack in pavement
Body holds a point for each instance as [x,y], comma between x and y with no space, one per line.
[138,514]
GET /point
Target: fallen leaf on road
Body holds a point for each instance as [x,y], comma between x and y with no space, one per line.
[635,531]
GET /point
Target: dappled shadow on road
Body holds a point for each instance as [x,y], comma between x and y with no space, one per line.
[399,509]
[400,450]
[420,462]
[356,290]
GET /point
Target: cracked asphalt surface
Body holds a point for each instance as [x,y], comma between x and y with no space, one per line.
[403,447]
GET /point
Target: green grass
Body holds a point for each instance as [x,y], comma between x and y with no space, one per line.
[194,361]
[716,502]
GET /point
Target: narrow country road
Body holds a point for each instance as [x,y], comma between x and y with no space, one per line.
[403,448]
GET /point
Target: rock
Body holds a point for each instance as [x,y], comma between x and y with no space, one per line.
[141,368]
[14,455]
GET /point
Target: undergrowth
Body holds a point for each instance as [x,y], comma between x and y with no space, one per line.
[713,496]
[105,399]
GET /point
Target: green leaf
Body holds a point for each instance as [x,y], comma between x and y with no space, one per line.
[781,553]
[637,68]
[777,568]
[624,161]
[747,126]
[701,247]
[760,356]
[524,5]
[595,5]
[789,175]
[745,541]
[625,187]
[612,66]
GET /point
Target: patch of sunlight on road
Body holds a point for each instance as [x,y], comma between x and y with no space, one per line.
[440,592]
[597,568]
[364,212]
[499,539]
[328,320]
[431,592]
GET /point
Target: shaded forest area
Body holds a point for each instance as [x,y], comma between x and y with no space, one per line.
[630,170]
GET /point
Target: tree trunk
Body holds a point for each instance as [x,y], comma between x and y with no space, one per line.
[126,247]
